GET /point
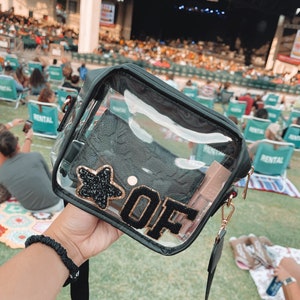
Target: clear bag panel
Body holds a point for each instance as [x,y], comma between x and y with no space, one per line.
[154,164]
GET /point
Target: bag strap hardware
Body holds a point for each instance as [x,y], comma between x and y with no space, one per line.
[244,194]
[219,241]
[225,219]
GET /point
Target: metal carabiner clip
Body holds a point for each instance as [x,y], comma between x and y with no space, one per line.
[226,219]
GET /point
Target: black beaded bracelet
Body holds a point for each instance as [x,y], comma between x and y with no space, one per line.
[60,250]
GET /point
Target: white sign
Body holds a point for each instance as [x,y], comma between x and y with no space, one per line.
[4,42]
[107,14]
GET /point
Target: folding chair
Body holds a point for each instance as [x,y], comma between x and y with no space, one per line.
[292,135]
[8,90]
[89,58]
[272,100]
[236,108]
[63,92]
[272,159]
[119,108]
[75,56]
[294,114]
[255,128]
[45,122]
[12,61]
[208,154]
[55,76]
[191,92]
[273,112]
[208,102]
[34,65]
[224,98]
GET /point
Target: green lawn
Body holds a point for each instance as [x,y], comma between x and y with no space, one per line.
[128,270]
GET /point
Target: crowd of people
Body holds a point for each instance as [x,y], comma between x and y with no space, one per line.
[37,33]
[185,53]
[156,52]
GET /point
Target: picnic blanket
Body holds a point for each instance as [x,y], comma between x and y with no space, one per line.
[275,185]
[263,276]
[17,223]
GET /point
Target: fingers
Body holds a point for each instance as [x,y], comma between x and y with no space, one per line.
[17,121]
[29,134]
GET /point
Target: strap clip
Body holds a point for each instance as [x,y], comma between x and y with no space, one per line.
[244,193]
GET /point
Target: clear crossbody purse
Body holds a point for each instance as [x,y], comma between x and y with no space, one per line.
[142,156]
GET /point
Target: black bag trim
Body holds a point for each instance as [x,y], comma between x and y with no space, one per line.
[94,85]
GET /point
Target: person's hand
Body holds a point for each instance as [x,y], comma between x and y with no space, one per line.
[17,121]
[81,234]
[14,123]
[29,134]
[281,273]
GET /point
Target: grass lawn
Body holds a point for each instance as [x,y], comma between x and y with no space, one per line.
[128,270]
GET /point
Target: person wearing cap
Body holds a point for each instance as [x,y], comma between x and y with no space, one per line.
[273,132]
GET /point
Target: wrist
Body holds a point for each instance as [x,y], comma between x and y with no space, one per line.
[71,248]
[28,139]
[288,280]
[60,251]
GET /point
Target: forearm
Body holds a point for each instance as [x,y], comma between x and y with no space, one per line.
[9,125]
[28,278]
[13,123]
[292,291]
[26,145]
[40,270]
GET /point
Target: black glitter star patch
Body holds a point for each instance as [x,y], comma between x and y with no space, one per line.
[98,185]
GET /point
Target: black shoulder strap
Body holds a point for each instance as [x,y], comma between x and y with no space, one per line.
[214,259]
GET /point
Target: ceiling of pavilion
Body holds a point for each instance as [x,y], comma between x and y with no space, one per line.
[276,7]
[253,21]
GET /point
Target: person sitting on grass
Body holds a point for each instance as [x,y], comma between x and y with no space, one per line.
[37,82]
[8,71]
[4,193]
[47,95]
[272,132]
[26,175]
[68,72]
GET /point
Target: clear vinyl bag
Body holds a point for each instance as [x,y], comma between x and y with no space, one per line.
[142,156]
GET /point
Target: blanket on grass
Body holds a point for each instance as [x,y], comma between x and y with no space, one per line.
[262,276]
[17,223]
[275,185]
